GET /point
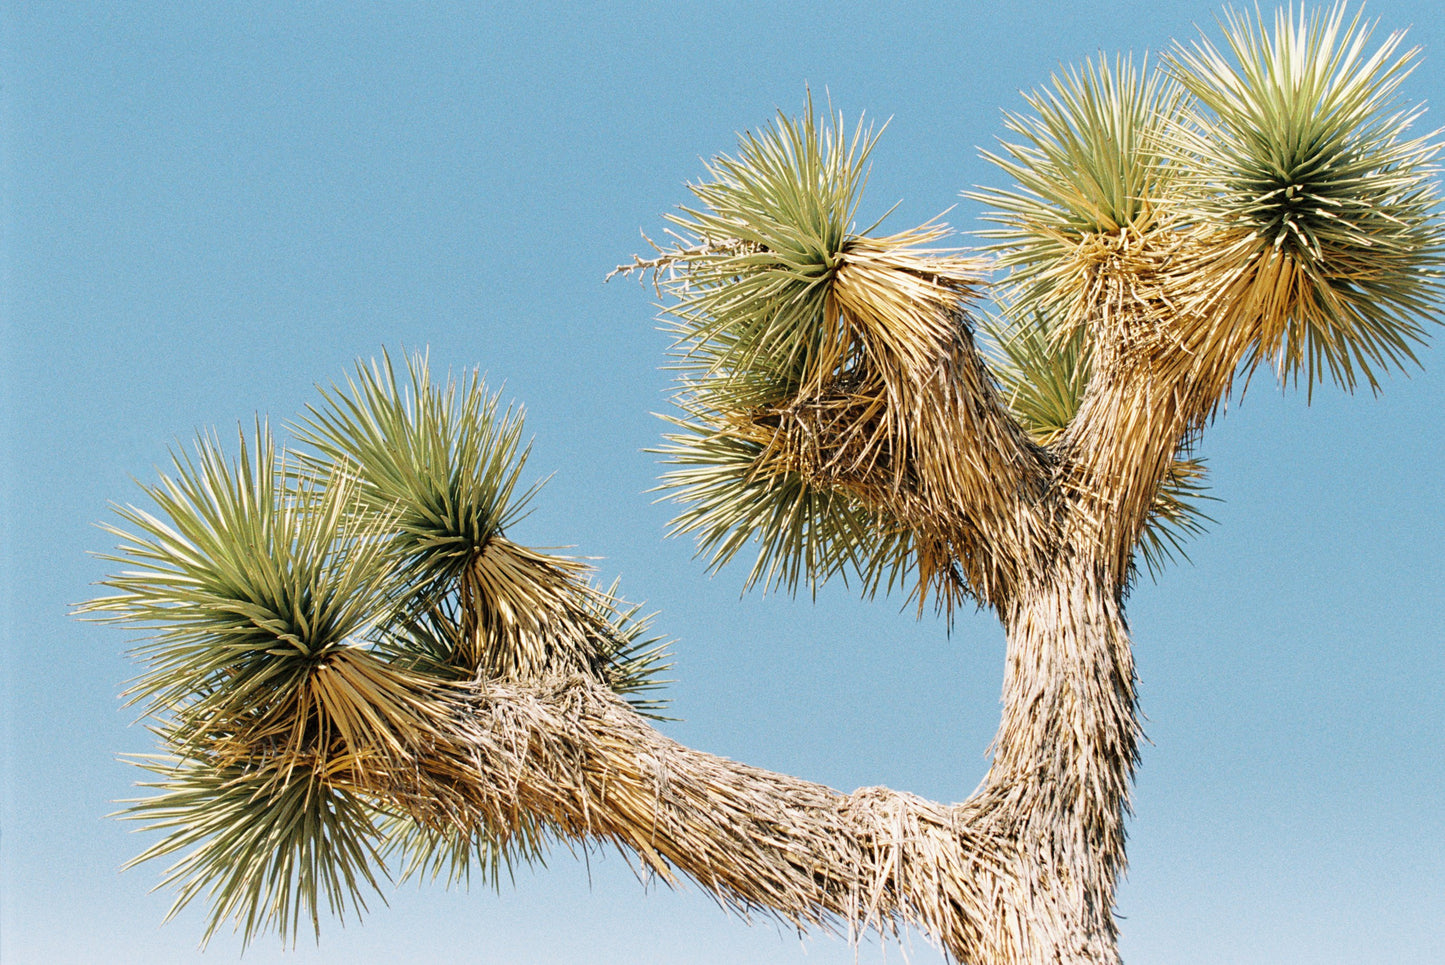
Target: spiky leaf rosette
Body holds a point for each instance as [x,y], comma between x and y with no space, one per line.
[1316,206]
[438,463]
[1090,165]
[751,283]
[268,850]
[443,461]
[312,621]
[814,360]
[258,591]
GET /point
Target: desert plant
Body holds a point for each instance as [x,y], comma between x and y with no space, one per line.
[351,664]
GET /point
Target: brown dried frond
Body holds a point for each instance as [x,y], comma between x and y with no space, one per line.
[1148,391]
[941,455]
[901,302]
[354,718]
[525,613]
[839,436]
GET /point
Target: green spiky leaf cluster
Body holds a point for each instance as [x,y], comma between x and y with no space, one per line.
[752,325]
[442,462]
[1044,377]
[307,608]
[269,851]
[1284,154]
[769,232]
[803,533]
[1301,156]
[1091,159]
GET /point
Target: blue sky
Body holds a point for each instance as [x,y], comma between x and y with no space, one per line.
[210,208]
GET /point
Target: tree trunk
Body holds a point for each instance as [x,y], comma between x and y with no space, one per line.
[1063,761]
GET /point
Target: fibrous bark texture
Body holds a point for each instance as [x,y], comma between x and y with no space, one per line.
[1021,872]
[1024,870]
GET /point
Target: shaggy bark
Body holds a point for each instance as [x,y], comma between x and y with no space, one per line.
[1023,871]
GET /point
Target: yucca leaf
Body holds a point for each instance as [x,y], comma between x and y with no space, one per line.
[443,459]
[1090,160]
[270,848]
[1317,205]
[803,533]
[246,578]
[803,346]
[453,854]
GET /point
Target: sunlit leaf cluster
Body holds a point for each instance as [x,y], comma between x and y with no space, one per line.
[803,532]
[1043,377]
[1302,166]
[442,462]
[769,233]
[308,609]
[758,325]
[1091,159]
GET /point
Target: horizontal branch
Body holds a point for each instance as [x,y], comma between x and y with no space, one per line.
[570,755]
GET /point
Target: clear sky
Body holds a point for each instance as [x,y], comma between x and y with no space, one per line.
[209,208]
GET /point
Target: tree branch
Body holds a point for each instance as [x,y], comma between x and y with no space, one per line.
[568,753]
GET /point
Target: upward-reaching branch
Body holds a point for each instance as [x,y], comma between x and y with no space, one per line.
[837,410]
[1193,225]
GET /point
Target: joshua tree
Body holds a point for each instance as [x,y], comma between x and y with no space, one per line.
[350,664]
